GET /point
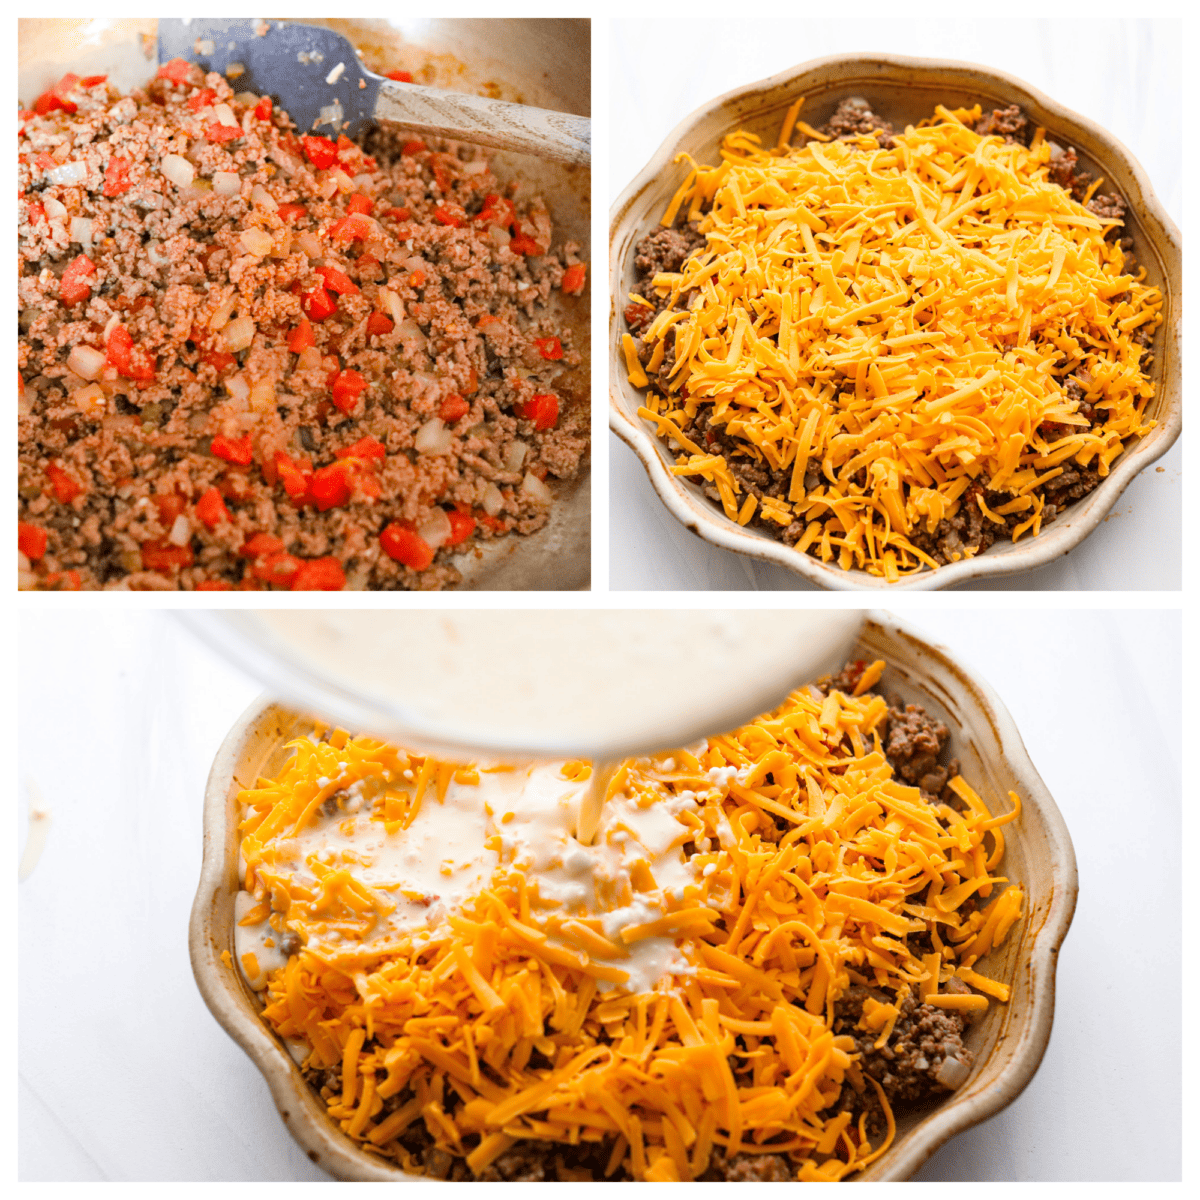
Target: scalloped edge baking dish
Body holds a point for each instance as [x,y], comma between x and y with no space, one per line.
[1008,1043]
[760,106]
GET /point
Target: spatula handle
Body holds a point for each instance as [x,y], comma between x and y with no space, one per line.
[562,137]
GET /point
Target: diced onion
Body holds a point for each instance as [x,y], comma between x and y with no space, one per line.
[328,187]
[91,401]
[514,456]
[309,243]
[477,167]
[257,241]
[181,531]
[435,529]
[75,172]
[85,361]
[344,182]
[433,437]
[54,208]
[113,322]
[363,182]
[262,396]
[81,231]
[392,303]
[500,237]
[224,114]
[309,358]
[239,333]
[226,183]
[536,490]
[62,151]
[237,386]
[247,99]
[178,170]
[493,500]
[263,199]
[220,318]
[410,331]
[952,1073]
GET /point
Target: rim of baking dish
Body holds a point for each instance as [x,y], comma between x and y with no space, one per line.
[255,739]
[685,502]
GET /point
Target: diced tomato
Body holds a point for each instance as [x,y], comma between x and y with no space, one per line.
[278,568]
[378,324]
[354,228]
[461,527]
[542,410]
[177,70]
[162,555]
[262,110]
[453,409]
[65,486]
[201,99]
[413,147]
[74,285]
[347,387]
[31,540]
[214,585]
[522,243]
[364,448]
[293,475]
[291,212]
[472,381]
[497,210]
[574,278]
[218,133]
[259,544]
[116,176]
[44,161]
[549,348]
[240,451]
[397,214]
[338,281]
[169,507]
[235,484]
[401,541]
[448,216]
[93,81]
[34,213]
[222,360]
[359,203]
[417,279]
[331,486]
[56,97]
[320,575]
[319,151]
[132,361]
[210,508]
[318,304]
[400,76]
[302,336]
[63,581]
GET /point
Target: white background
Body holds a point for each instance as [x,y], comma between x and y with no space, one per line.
[1124,74]
[124,1075]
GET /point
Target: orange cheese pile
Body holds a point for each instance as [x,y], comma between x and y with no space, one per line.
[495,1033]
[908,314]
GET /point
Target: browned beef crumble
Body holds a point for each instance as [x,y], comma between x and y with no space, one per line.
[171,267]
[969,530]
[907,1067]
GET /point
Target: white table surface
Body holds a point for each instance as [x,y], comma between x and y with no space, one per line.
[124,1075]
[1124,74]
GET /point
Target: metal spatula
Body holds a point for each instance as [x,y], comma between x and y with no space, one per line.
[315,75]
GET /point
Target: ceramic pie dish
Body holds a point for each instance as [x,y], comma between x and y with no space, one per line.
[1008,1043]
[545,63]
[900,90]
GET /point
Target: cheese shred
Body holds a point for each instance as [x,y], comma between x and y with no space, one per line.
[816,869]
[890,332]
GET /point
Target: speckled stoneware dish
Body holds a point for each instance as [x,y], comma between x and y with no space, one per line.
[1008,1043]
[901,90]
[540,62]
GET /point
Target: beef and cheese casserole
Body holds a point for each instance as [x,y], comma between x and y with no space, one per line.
[771,947]
[254,357]
[889,349]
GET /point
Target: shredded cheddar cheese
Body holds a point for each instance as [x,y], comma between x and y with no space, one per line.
[890,333]
[813,866]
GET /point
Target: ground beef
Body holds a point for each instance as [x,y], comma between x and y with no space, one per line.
[924,1037]
[203,429]
[1107,208]
[915,742]
[853,118]
[1010,123]
[665,251]
[748,1168]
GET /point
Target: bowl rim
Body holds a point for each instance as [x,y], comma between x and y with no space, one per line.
[229,998]
[684,502]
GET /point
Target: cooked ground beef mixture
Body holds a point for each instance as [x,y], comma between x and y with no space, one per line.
[252,358]
[761,490]
[922,1056]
